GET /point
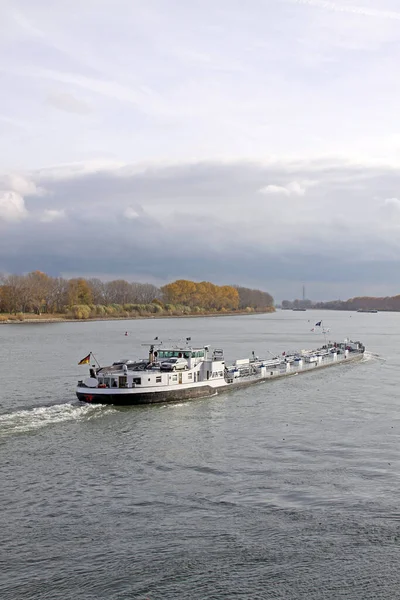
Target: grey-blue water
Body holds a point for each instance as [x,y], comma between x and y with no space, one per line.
[288,489]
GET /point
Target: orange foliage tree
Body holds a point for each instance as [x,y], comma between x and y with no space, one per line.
[79,292]
[204,295]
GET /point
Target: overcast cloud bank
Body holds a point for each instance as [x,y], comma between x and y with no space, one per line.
[209,220]
[207,140]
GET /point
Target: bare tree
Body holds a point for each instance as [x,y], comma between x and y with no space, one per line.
[118,292]
[254,298]
[16,294]
[145,293]
[98,289]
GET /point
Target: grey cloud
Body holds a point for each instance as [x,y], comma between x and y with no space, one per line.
[208,221]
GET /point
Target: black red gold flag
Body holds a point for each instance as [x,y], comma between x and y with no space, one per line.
[85,361]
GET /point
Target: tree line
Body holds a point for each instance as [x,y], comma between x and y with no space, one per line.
[290,304]
[387,303]
[41,294]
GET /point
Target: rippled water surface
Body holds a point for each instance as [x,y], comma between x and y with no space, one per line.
[288,489]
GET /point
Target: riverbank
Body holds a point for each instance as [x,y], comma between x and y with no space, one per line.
[38,319]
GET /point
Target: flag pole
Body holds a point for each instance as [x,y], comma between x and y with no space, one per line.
[324,332]
[98,364]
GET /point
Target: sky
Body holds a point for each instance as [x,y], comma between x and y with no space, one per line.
[251,143]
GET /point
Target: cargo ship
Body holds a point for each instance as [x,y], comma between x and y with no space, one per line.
[182,371]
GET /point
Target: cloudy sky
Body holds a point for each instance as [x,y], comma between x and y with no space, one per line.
[255,143]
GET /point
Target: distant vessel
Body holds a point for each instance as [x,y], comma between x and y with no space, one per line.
[299,309]
[365,310]
[181,372]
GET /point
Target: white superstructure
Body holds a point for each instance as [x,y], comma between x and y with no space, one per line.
[182,371]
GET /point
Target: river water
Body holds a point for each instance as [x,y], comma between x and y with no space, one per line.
[288,489]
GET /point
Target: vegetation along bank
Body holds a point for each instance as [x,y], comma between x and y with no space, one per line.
[40,297]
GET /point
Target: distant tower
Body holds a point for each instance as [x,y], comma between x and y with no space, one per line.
[304,292]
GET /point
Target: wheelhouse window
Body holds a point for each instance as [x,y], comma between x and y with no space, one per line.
[161,354]
[175,354]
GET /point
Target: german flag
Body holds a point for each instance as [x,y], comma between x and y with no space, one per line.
[86,360]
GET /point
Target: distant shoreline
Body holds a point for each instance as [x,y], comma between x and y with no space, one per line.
[50,320]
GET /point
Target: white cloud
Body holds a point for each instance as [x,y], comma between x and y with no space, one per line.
[393,202]
[131,213]
[19,184]
[50,215]
[12,207]
[295,188]
[274,189]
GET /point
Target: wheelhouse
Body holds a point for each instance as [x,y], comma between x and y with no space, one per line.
[179,353]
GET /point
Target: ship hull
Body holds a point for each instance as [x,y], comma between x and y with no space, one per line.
[137,397]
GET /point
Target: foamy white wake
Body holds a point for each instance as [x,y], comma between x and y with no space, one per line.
[372,356]
[35,418]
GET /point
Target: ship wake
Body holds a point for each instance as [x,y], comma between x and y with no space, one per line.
[29,420]
[371,356]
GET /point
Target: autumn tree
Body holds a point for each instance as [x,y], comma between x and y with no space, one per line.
[79,292]
[180,292]
[203,294]
[228,297]
[206,295]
